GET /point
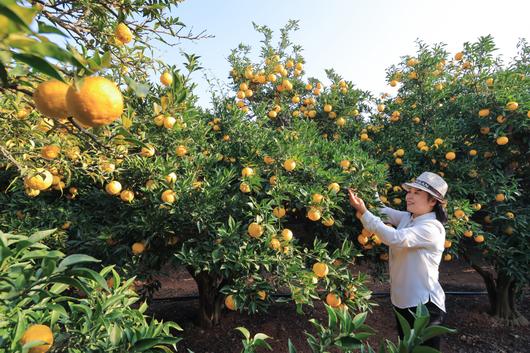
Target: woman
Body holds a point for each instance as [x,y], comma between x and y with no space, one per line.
[416,247]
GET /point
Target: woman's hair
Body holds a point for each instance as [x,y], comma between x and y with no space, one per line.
[439,210]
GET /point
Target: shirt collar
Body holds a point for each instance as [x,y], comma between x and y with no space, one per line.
[428,215]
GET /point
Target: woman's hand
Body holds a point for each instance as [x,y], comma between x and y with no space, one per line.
[357,203]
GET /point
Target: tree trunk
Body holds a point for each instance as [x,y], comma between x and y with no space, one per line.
[501,294]
[210,299]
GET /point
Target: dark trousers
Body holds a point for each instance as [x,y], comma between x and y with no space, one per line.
[436,318]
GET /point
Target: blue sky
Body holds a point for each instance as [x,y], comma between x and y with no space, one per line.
[359,39]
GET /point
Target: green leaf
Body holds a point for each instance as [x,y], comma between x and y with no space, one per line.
[45,28]
[349,343]
[424,349]
[292,348]
[145,344]
[359,319]
[19,16]
[404,325]
[115,335]
[76,259]
[39,64]
[21,326]
[435,330]
[244,331]
[40,235]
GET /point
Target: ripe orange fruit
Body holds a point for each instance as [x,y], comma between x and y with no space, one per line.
[287,234]
[40,179]
[229,302]
[320,269]
[168,196]
[138,248]
[255,230]
[94,101]
[483,113]
[123,33]
[508,230]
[334,187]
[273,180]
[278,212]
[166,78]
[50,99]
[38,333]
[275,244]
[473,152]
[459,56]
[500,197]
[168,122]
[333,300]
[447,244]
[489,81]
[147,151]
[468,233]
[289,165]
[364,137]
[247,172]
[502,140]
[171,178]
[244,187]
[510,215]
[345,164]
[400,152]
[448,257]
[511,106]
[181,150]
[50,151]
[317,198]
[450,156]
[268,160]
[479,238]
[328,222]
[262,294]
[314,214]
[113,188]
[127,195]
[459,214]
[328,108]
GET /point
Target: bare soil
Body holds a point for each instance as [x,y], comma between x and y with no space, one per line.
[477,331]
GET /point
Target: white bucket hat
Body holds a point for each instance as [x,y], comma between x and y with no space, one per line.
[431,183]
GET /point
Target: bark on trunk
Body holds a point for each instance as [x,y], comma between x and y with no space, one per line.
[502,294]
[210,299]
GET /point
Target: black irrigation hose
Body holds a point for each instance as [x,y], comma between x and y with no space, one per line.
[374,294]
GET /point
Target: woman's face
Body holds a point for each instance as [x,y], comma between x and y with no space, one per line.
[418,202]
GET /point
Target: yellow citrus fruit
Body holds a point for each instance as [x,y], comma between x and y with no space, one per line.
[168,196]
[489,81]
[181,150]
[273,180]
[333,300]
[287,234]
[483,113]
[275,244]
[138,248]
[328,222]
[334,187]
[166,78]
[328,108]
[510,215]
[94,101]
[447,257]
[244,187]
[511,106]
[502,140]
[38,333]
[262,294]
[147,151]
[123,33]
[320,269]
[127,195]
[450,156]
[113,188]
[278,212]
[473,152]
[255,230]
[345,164]
[459,214]
[317,198]
[341,122]
[171,178]
[364,137]
[289,165]
[314,214]
[508,230]
[39,179]
[168,122]
[247,172]
[50,151]
[50,99]
[229,302]
[400,152]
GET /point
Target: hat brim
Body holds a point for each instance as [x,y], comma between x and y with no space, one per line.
[407,186]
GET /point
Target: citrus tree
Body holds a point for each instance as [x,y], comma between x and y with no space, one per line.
[466,118]
[136,174]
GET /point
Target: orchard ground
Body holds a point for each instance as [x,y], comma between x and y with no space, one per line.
[477,331]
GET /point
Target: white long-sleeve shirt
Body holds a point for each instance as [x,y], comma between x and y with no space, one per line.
[416,247]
